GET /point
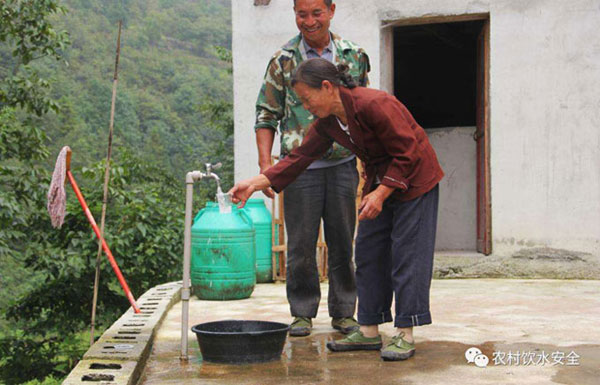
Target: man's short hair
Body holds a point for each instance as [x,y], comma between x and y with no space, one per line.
[327,2]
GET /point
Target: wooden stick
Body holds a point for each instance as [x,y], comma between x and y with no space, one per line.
[106,180]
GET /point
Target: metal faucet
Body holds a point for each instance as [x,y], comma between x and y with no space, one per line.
[193,176]
[210,174]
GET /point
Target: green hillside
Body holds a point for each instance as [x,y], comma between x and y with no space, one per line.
[169,70]
[173,114]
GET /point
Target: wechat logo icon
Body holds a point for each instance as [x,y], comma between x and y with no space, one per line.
[475,356]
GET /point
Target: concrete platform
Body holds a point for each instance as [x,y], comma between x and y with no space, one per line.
[551,324]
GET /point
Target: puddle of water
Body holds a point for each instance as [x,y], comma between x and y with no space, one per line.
[307,361]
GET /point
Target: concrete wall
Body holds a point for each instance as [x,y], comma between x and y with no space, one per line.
[457,213]
[545,118]
[544,103]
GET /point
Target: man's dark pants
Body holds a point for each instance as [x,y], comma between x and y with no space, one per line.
[328,193]
[394,256]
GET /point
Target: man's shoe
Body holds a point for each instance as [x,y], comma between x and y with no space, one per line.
[345,325]
[300,327]
[355,341]
[398,349]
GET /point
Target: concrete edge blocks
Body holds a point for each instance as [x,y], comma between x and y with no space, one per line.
[104,372]
[119,356]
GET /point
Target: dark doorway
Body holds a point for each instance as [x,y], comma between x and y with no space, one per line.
[435,72]
[441,73]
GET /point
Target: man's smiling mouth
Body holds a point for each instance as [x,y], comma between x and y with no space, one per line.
[313,29]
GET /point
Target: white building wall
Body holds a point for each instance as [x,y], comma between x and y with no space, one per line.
[545,122]
[544,103]
[457,215]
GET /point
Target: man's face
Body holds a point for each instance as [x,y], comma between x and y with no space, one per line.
[313,18]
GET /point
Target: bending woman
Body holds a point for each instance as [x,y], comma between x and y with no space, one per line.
[398,211]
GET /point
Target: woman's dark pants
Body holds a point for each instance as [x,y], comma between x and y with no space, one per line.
[394,256]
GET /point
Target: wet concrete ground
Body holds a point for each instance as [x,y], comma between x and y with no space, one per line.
[554,324]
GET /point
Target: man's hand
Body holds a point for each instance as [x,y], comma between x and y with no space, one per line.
[268,191]
[264,143]
[372,203]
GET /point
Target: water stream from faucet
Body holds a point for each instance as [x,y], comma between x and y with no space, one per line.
[224,201]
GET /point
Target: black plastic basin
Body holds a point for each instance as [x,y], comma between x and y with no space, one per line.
[241,342]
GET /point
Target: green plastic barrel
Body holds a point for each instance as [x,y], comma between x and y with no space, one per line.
[261,219]
[223,262]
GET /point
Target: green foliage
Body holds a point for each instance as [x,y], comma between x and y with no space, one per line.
[47,381]
[50,380]
[169,68]
[26,28]
[23,354]
[144,231]
[20,141]
[20,145]
[20,212]
[25,23]
[225,55]
[173,114]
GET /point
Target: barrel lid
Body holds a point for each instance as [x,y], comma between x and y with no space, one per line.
[258,212]
[211,219]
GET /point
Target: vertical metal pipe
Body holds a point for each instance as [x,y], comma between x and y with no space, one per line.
[187,240]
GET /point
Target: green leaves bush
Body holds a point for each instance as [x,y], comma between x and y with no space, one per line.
[26,28]
[173,114]
[144,226]
[143,229]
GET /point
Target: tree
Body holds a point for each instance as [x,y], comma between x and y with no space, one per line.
[173,115]
[25,26]
[49,321]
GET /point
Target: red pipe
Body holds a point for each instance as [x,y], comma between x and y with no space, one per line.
[107,251]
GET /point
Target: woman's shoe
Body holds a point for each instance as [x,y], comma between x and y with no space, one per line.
[355,341]
[398,349]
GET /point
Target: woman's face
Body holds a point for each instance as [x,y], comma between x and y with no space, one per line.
[317,101]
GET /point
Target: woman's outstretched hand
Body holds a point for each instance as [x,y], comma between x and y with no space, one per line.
[372,204]
[243,190]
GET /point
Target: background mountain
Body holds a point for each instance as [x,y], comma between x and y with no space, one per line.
[170,76]
[173,114]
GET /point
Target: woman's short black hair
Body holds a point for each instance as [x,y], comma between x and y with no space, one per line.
[312,72]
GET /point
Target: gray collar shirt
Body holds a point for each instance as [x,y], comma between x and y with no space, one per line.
[308,52]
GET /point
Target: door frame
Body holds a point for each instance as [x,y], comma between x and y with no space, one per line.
[482,137]
[482,134]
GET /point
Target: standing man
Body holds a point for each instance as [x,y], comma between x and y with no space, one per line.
[327,189]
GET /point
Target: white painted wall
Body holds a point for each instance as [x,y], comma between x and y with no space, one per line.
[544,102]
[457,213]
[545,119]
